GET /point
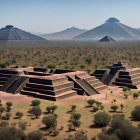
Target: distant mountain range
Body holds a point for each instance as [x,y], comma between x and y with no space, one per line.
[11,33]
[67,34]
[113,28]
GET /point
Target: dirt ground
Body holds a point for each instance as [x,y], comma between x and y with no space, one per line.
[22,103]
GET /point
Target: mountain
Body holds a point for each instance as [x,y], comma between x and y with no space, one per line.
[67,34]
[138,29]
[112,27]
[9,32]
[107,39]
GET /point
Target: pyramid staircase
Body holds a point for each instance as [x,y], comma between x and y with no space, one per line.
[89,84]
[5,75]
[50,89]
[120,74]
[129,78]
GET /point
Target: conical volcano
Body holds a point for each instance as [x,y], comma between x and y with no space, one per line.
[68,34]
[112,27]
[107,39]
[12,33]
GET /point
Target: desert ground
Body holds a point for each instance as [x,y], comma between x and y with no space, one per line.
[23,103]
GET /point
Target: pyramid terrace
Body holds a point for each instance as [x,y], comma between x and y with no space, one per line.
[58,84]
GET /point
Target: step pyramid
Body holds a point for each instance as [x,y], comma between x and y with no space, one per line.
[119,74]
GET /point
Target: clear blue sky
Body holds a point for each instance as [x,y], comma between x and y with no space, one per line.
[46,16]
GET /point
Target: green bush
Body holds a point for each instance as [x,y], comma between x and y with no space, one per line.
[35,135]
[11,133]
[91,102]
[114,108]
[76,123]
[8,106]
[48,109]
[75,116]
[95,109]
[50,121]
[19,114]
[51,66]
[136,113]
[53,108]
[36,110]
[135,95]
[73,108]
[7,116]
[35,102]
[102,119]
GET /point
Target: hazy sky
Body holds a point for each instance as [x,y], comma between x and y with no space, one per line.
[46,16]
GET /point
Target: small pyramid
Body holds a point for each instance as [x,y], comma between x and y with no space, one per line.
[9,32]
[107,39]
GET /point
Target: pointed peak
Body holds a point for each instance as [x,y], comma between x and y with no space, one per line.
[107,39]
[112,20]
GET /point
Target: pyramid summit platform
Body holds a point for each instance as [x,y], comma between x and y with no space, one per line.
[10,32]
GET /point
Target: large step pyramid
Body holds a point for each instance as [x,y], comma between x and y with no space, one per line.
[12,33]
[120,74]
[49,84]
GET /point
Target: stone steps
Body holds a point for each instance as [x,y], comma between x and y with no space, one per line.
[49,92]
[50,87]
[99,88]
[122,84]
[50,97]
[3,78]
[97,84]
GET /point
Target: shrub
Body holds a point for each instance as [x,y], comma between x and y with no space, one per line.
[136,113]
[50,121]
[36,110]
[55,133]
[102,119]
[22,125]
[19,114]
[2,109]
[126,95]
[51,66]
[11,133]
[53,108]
[123,128]
[7,116]
[98,103]
[48,109]
[35,102]
[73,108]
[114,107]
[79,135]
[122,107]
[3,65]
[8,106]
[82,66]
[135,95]
[76,123]
[88,60]
[75,116]
[126,89]
[95,109]
[102,107]
[55,115]
[35,135]
[91,102]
